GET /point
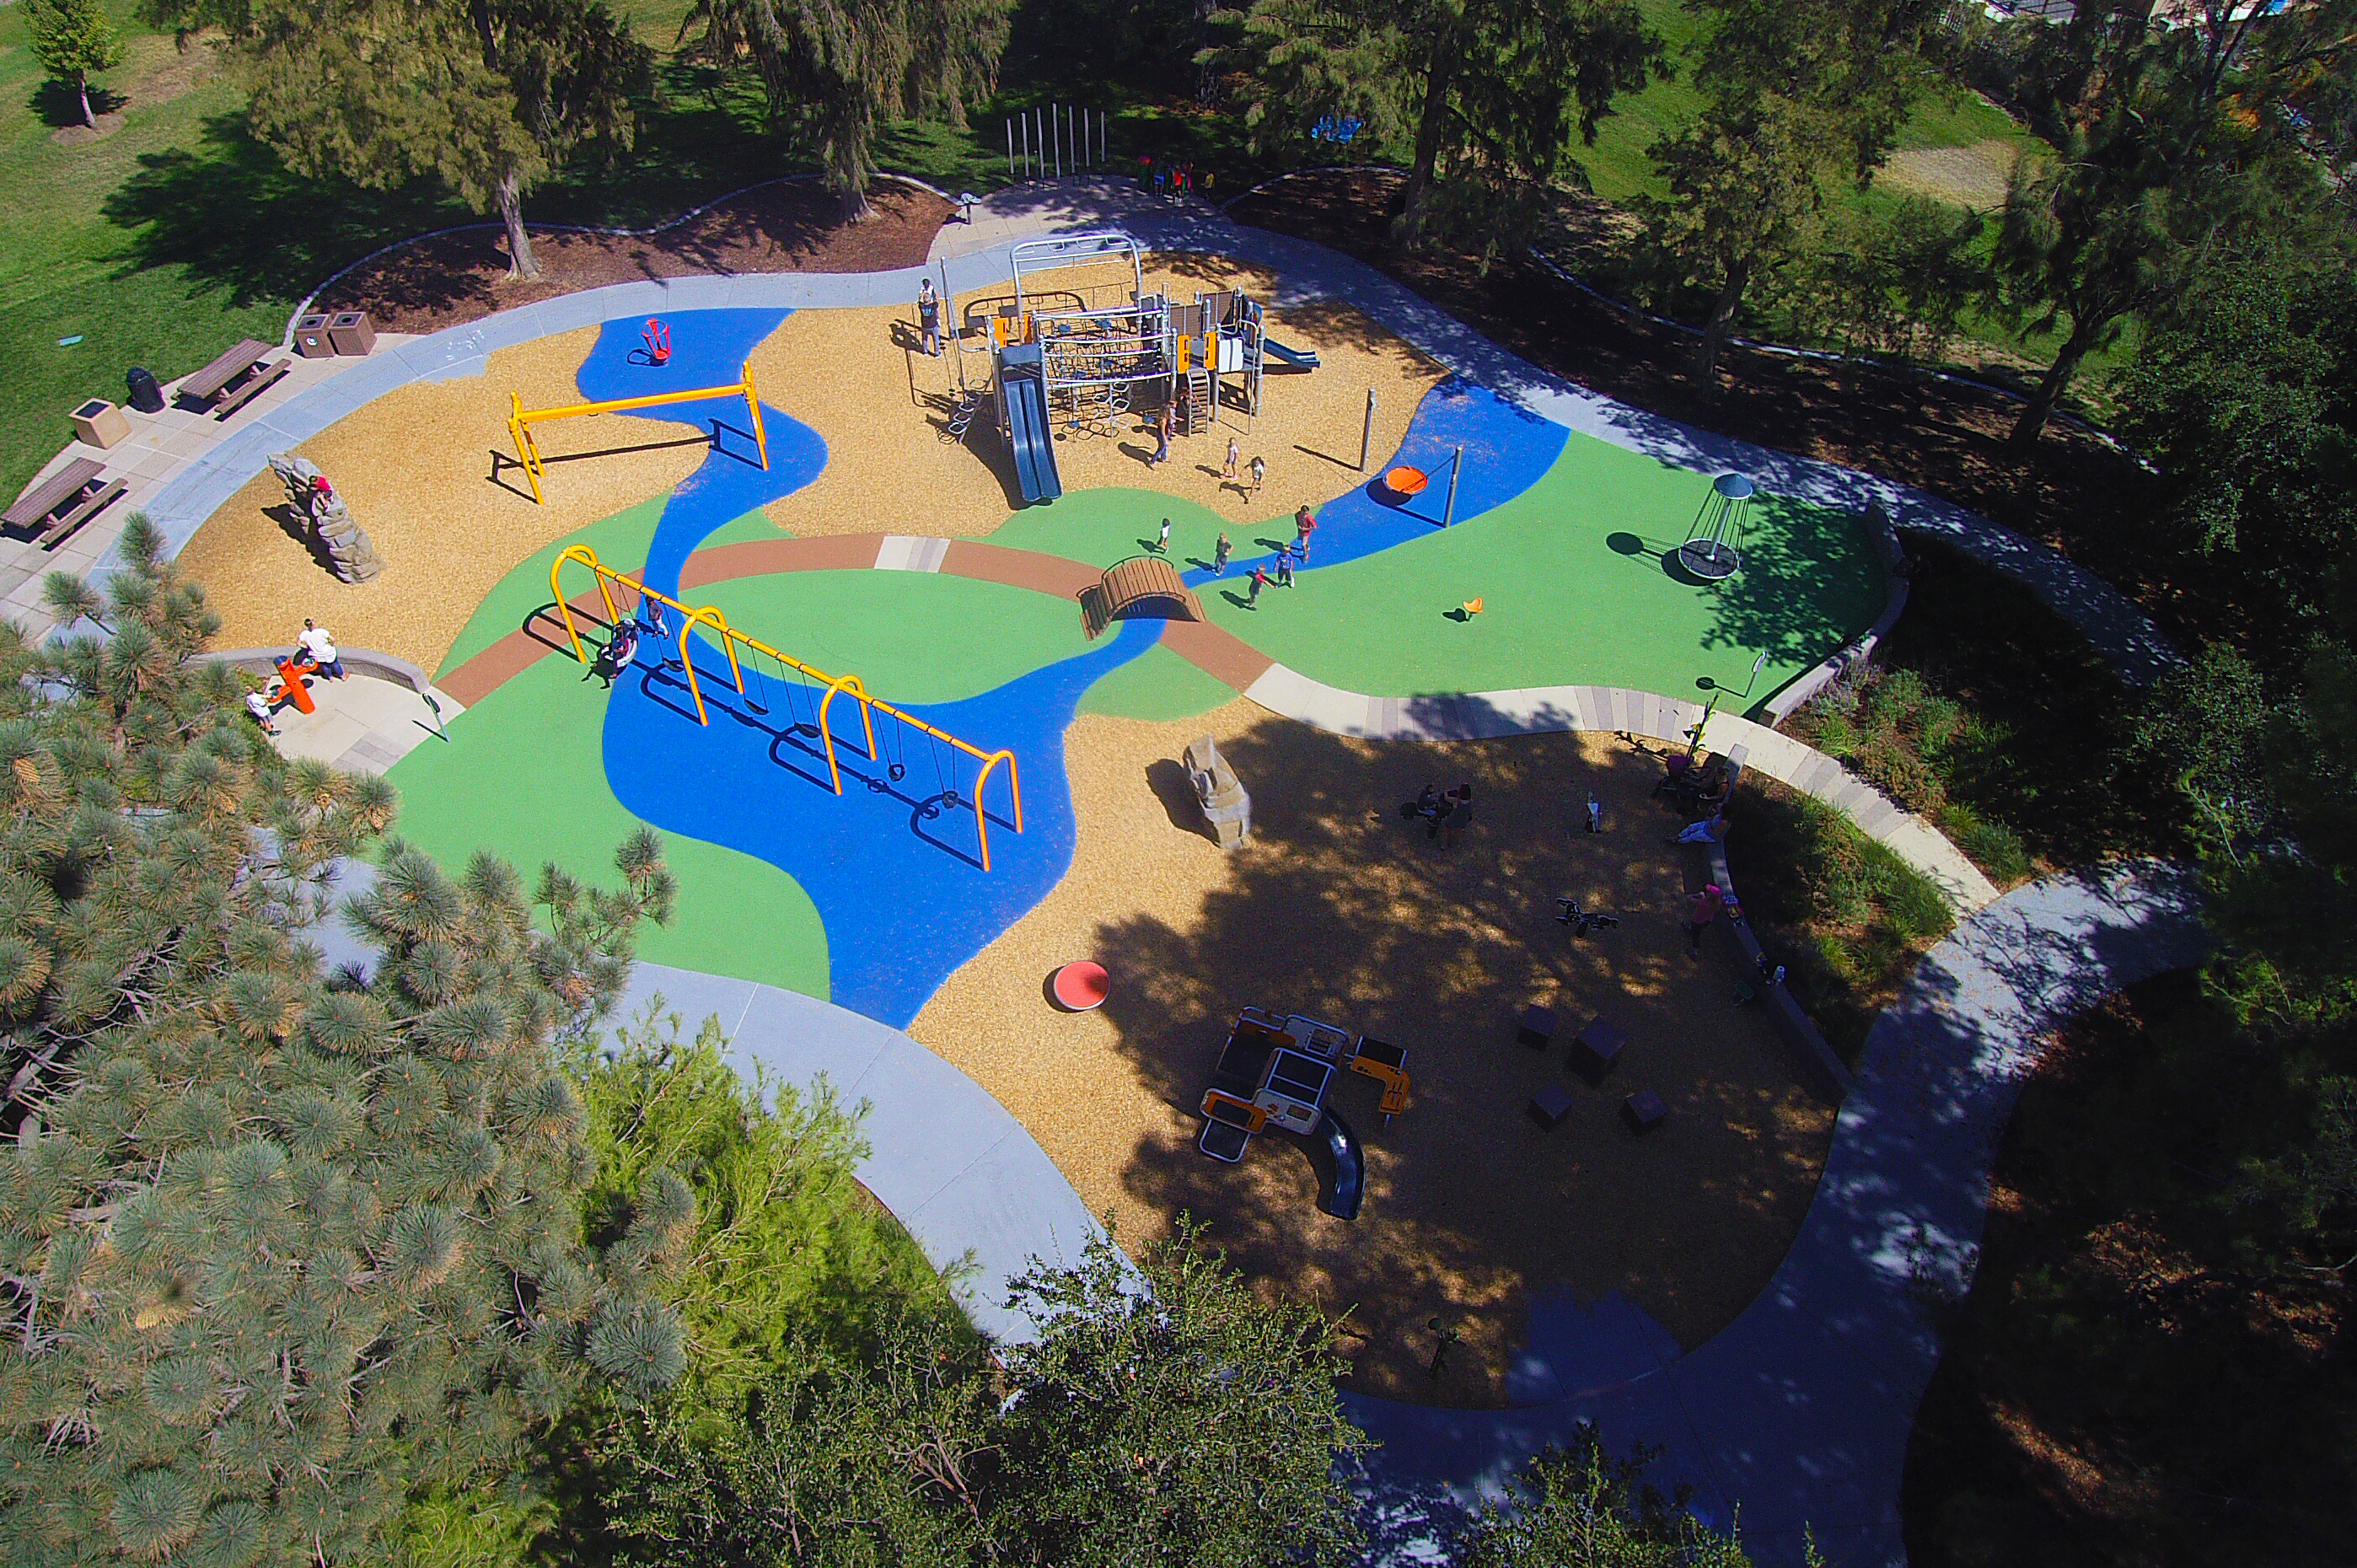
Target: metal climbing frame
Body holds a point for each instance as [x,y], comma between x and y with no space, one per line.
[692,617]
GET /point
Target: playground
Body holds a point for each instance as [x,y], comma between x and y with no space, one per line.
[812,606]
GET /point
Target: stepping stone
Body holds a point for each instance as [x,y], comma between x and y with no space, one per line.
[1537,1027]
[1643,1110]
[1550,1105]
[1598,1047]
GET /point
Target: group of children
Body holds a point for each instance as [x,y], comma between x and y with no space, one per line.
[1304,523]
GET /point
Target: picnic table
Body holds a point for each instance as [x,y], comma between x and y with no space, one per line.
[236,379]
[64,501]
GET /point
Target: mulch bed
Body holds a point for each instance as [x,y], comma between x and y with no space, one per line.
[1943,438]
[783,227]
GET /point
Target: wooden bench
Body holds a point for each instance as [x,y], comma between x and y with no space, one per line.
[240,373]
[64,501]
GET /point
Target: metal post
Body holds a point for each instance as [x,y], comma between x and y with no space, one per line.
[1366,436]
[1025,123]
[1056,135]
[1010,147]
[1456,466]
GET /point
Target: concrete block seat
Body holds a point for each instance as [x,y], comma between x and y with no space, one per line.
[1597,1048]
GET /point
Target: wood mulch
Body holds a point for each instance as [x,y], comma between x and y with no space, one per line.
[442,280]
[1939,436]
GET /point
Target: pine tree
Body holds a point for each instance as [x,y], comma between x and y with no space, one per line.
[71,39]
[1798,99]
[489,96]
[1485,93]
[839,65]
[278,1248]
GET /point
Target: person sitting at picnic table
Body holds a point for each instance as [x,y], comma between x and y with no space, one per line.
[321,648]
[1428,804]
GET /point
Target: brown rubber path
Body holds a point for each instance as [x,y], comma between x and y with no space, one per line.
[1220,654]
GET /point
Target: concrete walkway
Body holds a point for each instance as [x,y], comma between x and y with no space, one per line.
[1802,1408]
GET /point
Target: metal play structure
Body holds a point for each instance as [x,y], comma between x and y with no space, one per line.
[1713,549]
[691,616]
[521,419]
[1081,359]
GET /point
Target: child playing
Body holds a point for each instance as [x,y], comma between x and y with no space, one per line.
[1220,556]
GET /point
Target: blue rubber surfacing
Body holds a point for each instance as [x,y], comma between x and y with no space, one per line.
[893,865]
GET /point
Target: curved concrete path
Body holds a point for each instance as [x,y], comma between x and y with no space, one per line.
[1800,1409]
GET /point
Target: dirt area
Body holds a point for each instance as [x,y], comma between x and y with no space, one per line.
[857,378]
[420,470]
[1338,908]
[1945,439]
[102,125]
[1972,177]
[785,226]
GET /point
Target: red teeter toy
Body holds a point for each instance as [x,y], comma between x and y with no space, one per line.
[658,337]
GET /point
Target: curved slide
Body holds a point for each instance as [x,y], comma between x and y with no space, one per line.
[1333,1151]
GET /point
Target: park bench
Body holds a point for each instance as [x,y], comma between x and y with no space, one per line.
[234,379]
[64,501]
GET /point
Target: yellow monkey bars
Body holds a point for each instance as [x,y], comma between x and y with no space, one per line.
[521,419]
[692,617]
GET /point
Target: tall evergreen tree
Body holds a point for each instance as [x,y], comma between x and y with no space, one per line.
[837,66]
[1798,98]
[489,96]
[2169,134]
[1485,93]
[1184,1421]
[72,39]
[277,1247]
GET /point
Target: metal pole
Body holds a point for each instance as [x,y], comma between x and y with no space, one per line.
[1025,123]
[1456,466]
[1366,436]
[1010,148]
[1056,135]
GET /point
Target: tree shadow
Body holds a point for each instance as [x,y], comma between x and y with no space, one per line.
[1338,908]
[58,105]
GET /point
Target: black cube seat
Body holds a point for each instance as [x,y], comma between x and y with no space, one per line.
[1550,1105]
[1537,1027]
[1643,1110]
[1596,1049]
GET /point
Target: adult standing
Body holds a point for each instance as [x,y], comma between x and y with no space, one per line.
[928,316]
[1162,424]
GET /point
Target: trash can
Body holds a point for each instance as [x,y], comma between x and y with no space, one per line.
[311,338]
[351,332]
[146,395]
